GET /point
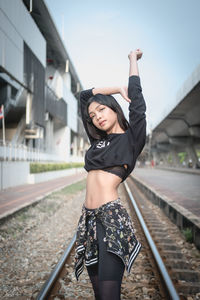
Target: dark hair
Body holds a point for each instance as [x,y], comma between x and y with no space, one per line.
[109,101]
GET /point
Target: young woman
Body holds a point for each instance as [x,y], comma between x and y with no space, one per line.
[105,241]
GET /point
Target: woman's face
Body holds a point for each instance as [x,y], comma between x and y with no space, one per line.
[103,117]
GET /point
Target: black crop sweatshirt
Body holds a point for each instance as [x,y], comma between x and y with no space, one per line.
[118,149]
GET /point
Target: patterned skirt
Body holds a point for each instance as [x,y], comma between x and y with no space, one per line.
[119,235]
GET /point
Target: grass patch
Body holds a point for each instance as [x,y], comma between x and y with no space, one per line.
[49,207]
[73,188]
[23,216]
[188,235]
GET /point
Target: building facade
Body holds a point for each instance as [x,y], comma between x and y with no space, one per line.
[39,87]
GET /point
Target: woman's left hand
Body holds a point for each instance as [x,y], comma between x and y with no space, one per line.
[137,54]
[124,93]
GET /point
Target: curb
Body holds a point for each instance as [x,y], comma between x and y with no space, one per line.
[183,170]
[11,212]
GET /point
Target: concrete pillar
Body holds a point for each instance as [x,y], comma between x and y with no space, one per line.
[61,143]
[192,155]
[169,159]
[68,135]
[156,157]
[67,80]
[175,158]
[164,158]
[81,146]
[80,143]
[75,152]
[49,136]
[194,131]
[29,109]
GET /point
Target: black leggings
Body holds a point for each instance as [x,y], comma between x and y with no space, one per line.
[106,275]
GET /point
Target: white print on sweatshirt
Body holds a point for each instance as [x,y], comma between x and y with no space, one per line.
[102,144]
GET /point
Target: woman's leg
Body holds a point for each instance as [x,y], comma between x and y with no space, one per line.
[106,276]
[110,270]
[93,274]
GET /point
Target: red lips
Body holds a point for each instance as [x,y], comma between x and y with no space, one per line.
[102,122]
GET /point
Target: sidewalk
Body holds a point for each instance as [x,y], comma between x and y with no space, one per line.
[15,198]
[177,194]
[181,188]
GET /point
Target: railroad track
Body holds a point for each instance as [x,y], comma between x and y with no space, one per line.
[165,272]
[185,279]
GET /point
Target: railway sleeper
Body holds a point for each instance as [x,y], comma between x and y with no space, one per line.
[159,235]
[188,288]
[171,254]
[157,230]
[153,221]
[168,246]
[178,263]
[186,275]
[163,240]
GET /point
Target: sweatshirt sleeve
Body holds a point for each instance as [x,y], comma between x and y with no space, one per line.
[137,117]
[84,97]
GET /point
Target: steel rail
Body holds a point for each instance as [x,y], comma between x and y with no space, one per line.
[46,288]
[166,278]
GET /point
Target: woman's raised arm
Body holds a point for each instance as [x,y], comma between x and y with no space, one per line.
[137,107]
[123,90]
[133,57]
[133,70]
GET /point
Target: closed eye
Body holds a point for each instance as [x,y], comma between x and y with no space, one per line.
[92,116]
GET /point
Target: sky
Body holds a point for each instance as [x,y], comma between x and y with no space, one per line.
[99,35]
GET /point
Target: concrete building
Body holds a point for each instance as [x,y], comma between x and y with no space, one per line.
[39,87]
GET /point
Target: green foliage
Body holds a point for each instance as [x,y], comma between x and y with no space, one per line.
[182,156]
[169,158]
[73,188]
[188,234]
[43,167]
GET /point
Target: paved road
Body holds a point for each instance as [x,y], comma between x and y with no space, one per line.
[12,199]
[183,188]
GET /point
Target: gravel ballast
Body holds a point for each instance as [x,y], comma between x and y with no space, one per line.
[33,240]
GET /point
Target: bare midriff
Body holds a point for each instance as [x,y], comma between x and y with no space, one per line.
[101,188]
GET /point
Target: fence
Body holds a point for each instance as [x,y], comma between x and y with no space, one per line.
[20,152]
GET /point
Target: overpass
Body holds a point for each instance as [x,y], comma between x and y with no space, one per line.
[179,131]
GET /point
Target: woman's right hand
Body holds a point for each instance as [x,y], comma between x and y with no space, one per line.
[136,54]
[124,93]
